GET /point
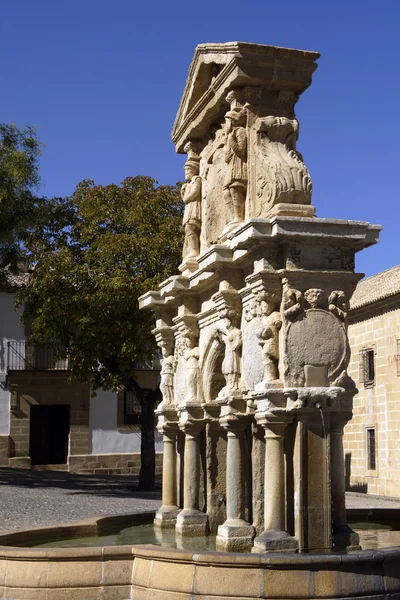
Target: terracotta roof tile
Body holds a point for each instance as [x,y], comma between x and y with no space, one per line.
[377,287]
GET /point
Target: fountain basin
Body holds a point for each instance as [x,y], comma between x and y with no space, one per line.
[149,572]
[79,573]
[162,574]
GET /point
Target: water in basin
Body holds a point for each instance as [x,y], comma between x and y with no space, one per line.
[372,536]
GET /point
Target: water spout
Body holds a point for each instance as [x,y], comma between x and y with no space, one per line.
[318,405]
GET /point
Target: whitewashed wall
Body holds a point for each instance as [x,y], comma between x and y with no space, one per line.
[104,434]
[10,329]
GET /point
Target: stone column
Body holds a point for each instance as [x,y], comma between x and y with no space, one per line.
[313,518]
[236,534]
[344,538]
[215,467]
[190,520]
[167,513]
[274,537]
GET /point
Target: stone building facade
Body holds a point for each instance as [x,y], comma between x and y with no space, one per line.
[372,437]
[47,422]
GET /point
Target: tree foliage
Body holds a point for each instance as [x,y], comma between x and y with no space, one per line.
[94,253]
[19,179]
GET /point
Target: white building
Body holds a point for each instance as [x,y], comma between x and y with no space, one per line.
[48,423]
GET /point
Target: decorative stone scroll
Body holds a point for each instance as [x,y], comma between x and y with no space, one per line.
[338,304]
[282,177]
[291,300]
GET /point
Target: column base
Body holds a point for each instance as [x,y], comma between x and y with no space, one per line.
[344,538]
[166,517]
[191,522]
[275,541]
[235,535]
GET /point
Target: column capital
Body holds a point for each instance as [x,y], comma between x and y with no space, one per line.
[167,422]
[274,425]
[212,412]
[235,424]
[339,421]
[191,420]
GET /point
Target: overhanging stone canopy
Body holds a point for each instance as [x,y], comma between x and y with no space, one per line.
[253,330]
[278,77]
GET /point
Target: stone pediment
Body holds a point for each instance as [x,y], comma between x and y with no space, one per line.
[217,68]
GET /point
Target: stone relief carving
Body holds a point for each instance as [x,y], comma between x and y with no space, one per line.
[317,340]
[338,305]
[344,380]
[268,335]
[191,195]
[191,355]
[315,297]
[235,183]
[282,177]
[213,172]
[251,311]
[252,365]
[168,364]
[291,300]
[231,336]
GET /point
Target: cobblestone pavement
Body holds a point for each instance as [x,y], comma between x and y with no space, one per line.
[357,500]
[37,498]
[33,499]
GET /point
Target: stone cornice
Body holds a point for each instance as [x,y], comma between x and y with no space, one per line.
[239,64]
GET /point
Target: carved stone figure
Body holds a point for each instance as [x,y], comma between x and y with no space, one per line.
[214,218]
[191,356]
[251,310]
[235,184]
[167,374]
[291,300]
[268,336]
[314,297]
[338,305]
[231,336]
[191,195]
[282,177]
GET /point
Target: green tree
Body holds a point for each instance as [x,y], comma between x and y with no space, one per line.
[94,253]
[19,179]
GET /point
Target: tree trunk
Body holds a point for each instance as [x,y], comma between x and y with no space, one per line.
[148,400]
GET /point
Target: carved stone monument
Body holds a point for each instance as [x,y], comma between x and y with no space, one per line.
[253,331]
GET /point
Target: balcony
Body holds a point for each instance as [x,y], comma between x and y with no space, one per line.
[24,356]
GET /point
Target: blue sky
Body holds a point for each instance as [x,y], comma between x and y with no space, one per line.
[102,81]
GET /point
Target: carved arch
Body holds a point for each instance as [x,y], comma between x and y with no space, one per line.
[212,379]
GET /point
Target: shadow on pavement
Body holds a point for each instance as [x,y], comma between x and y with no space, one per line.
[99,485]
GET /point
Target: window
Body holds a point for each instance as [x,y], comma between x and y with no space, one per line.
[371,449]
[132,408]
[367,367]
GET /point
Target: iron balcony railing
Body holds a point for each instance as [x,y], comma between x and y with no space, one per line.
[24,356]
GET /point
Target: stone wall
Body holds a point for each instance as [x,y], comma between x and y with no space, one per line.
[110,464]
[377,405]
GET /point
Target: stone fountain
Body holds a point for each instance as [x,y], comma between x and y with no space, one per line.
[254,341]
